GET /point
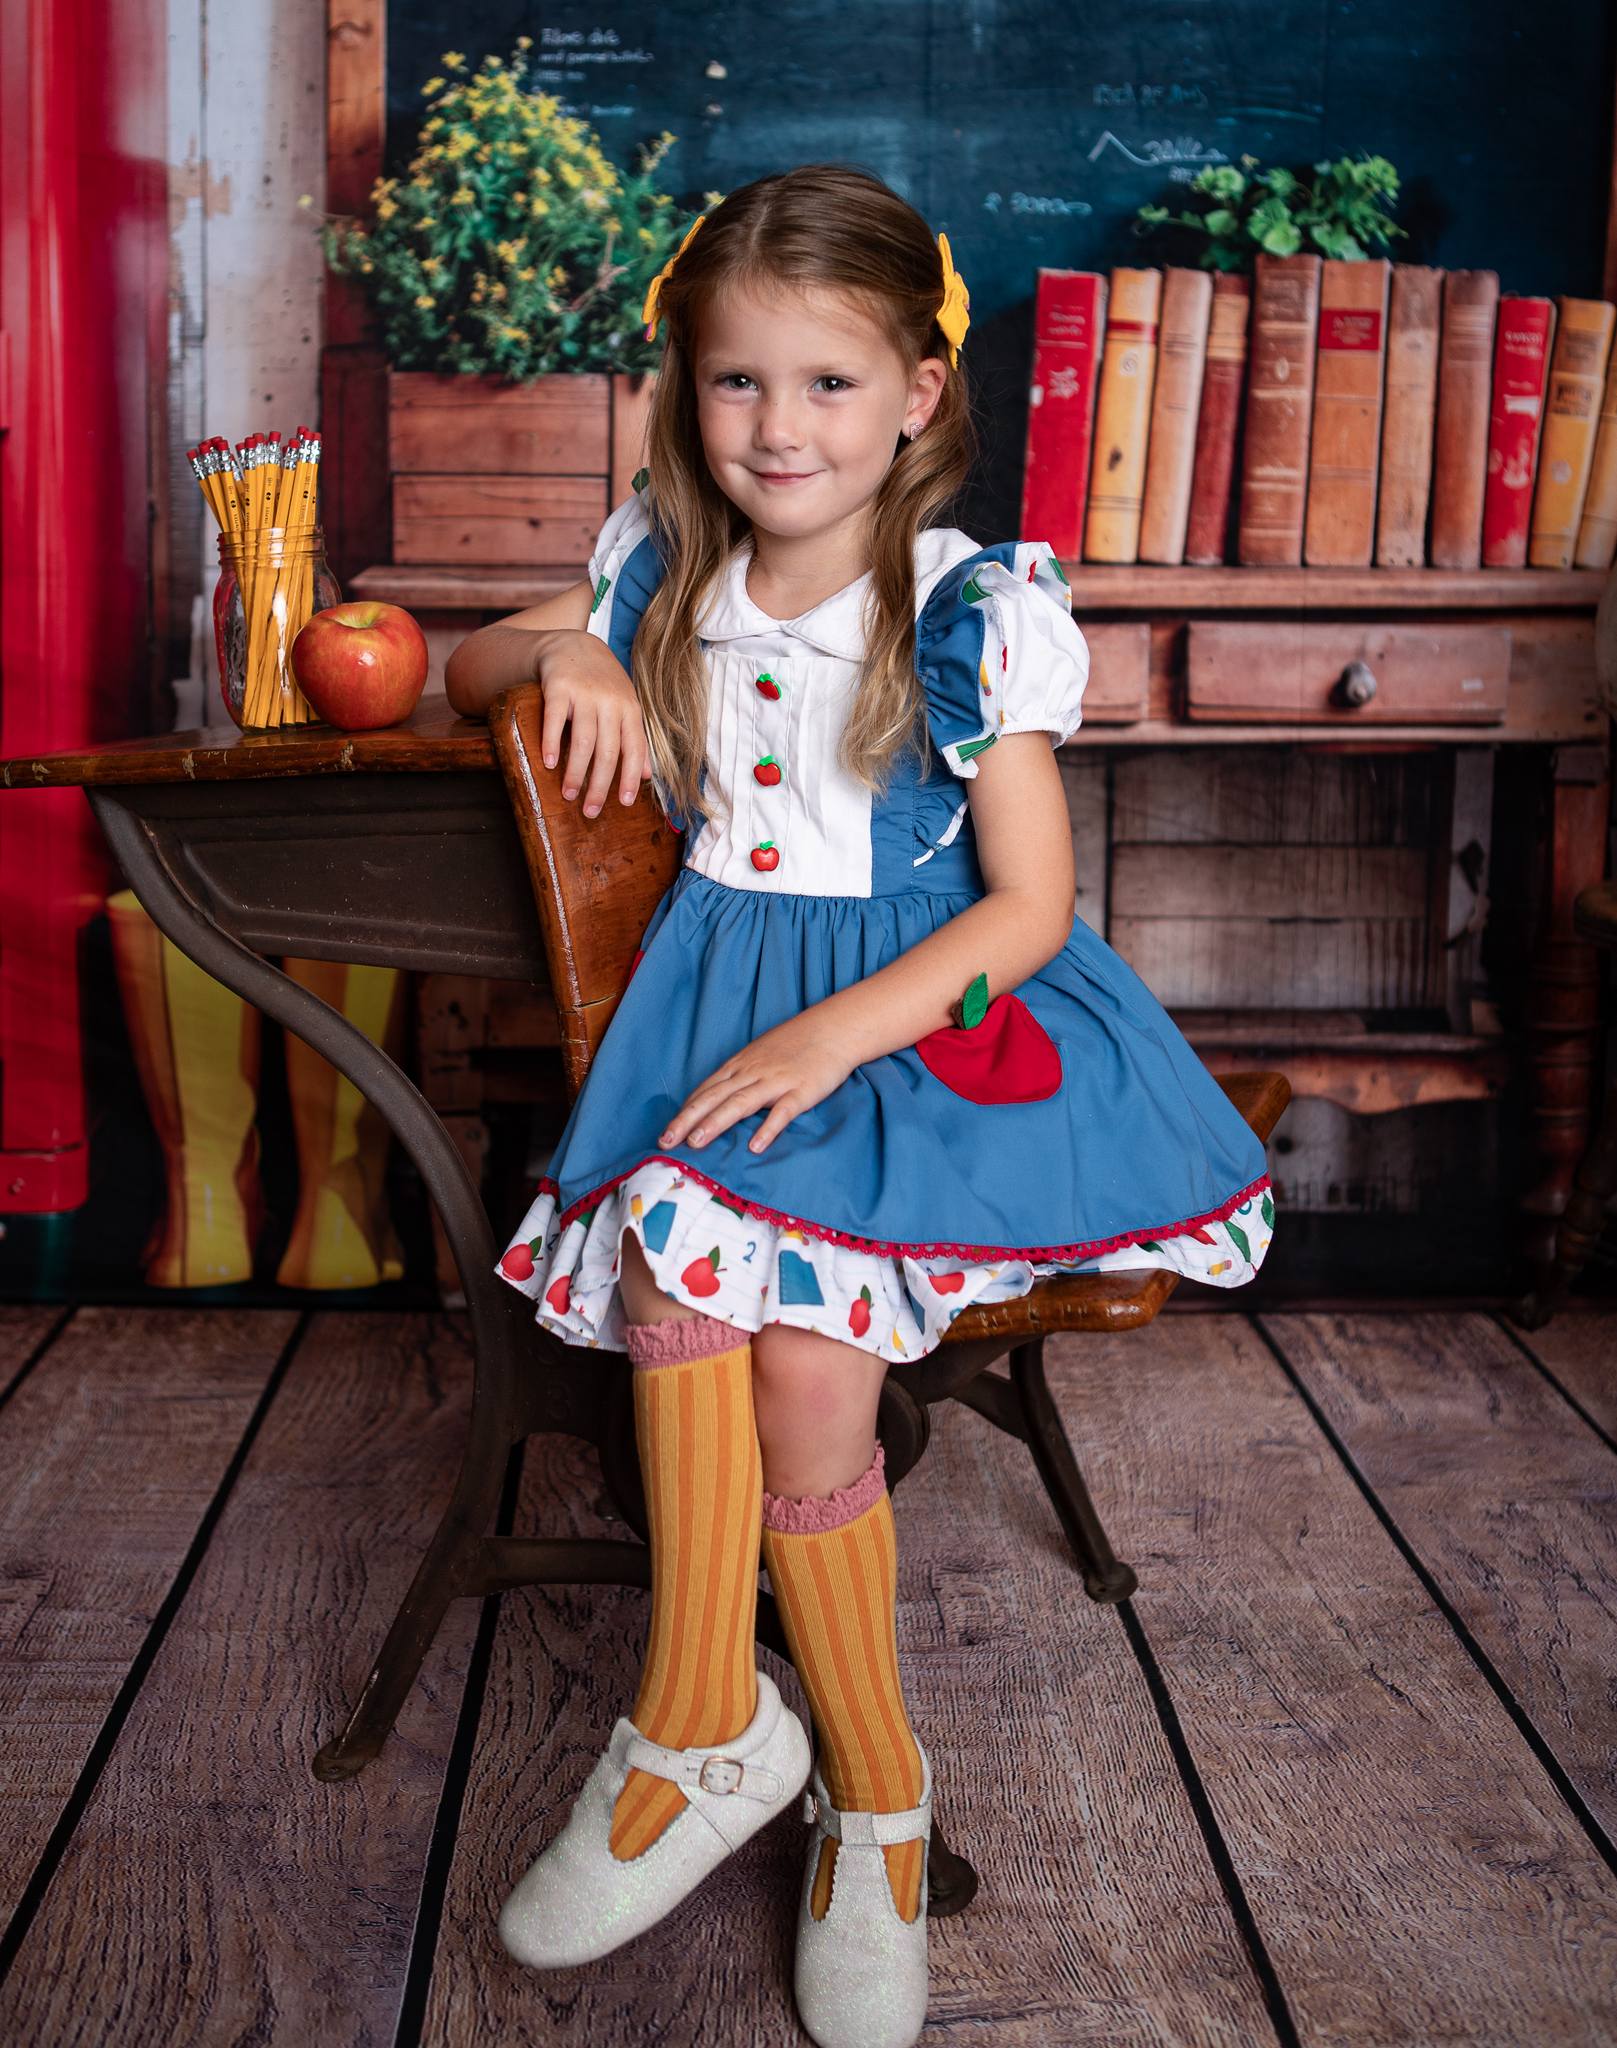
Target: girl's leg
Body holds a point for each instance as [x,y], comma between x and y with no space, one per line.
[829,1542]
[698,1445]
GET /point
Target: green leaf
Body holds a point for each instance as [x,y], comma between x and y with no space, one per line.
[1268,1209]
[974,1003]
[1239,1238]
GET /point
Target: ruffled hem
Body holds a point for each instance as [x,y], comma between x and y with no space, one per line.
[749,1265]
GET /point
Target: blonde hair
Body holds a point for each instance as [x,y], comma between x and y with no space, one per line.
[825,226]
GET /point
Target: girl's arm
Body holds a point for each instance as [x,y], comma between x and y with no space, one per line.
[583,684]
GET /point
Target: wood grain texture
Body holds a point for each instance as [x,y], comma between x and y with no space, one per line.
[1580,1349]
[1421,673]
[496,519]
[213,1890]
[113,1448]
[1413,1872]
[1503,1493]
[1099,1918]
[433,738]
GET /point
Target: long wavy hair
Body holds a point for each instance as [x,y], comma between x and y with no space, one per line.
[820,226]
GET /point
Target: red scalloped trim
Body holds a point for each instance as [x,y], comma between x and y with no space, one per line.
[1064,1254]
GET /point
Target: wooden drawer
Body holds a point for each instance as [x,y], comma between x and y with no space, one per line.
[1119,688]
[1368,672]
[510,521]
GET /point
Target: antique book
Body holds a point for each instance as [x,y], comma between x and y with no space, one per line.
[1279,409]
[1521,369]
[1187,301]
[1577,385]
[1460,447]
[1069,322]
[1597,530]
[1344,444]
[1123,419]
[1218,425]
[1409,415]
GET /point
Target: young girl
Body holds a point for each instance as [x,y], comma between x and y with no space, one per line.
[805,1144]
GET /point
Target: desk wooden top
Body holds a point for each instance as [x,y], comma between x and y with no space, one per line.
[432,740]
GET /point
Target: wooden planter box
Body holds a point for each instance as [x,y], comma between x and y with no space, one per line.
[495,475]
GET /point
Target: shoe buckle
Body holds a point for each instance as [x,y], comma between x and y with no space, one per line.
[728,1772]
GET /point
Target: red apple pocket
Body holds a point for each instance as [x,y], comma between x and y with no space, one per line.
[1008,1057]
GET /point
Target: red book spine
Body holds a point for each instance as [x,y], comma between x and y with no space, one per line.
[1521,363]
[1216,427]
[1069,324]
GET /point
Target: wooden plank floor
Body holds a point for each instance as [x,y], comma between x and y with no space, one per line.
[1343,1771]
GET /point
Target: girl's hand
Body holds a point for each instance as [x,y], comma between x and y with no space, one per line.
[584,683]
[791,1067]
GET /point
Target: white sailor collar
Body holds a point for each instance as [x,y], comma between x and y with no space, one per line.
[836,624]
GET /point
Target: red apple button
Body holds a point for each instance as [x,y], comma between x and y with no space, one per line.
[361,665]
[1007,1057]
[767,771]
[766,855]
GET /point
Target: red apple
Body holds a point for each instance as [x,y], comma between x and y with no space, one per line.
[361,665]
[766,855]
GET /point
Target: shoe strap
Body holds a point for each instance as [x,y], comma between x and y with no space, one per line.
[855,1828]
[704,1771]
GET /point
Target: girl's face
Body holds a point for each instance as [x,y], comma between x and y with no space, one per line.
[801,401]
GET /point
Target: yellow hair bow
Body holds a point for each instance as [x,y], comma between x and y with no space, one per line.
[954,315]
[655,293]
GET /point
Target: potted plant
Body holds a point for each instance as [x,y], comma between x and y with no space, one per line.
[506,270]
[1245,209]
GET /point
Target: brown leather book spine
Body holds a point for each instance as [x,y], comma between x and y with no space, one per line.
[1345,444]
[1464,398]
[1597,530]
[1187,301]
[1123,418]
[1279,406]
[1409,415]
[1219,420]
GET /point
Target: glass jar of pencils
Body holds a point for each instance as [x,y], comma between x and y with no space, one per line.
[272,580]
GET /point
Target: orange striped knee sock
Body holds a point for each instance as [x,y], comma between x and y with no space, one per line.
[703,1471]
[833,1564]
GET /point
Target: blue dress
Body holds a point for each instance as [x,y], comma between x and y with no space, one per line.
[1072,1130]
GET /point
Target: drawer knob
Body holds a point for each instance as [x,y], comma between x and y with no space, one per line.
[1356,685]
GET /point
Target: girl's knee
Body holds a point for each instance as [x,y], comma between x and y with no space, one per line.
[643,1300]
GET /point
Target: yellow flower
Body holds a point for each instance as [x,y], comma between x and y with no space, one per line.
[527,276]
[541,207]
[649,315]
[427,220]
[557,278]
[421,183]
[524,42]
[954,315]
[514,333]
[463,195]
[459,145]
[367,266]
[496,291]
[647,237]
[452,60]
[426,302]
[433,85]
[431,127]
[485,153]
[386,208]
[431,263]
[571,174]
[508,252]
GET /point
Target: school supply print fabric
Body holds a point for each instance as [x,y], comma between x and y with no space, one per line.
[1071,1129]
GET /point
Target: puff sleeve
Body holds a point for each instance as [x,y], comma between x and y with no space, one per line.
[626,527]
[1032,667]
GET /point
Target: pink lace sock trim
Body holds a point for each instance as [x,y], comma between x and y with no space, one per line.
[679,1338]
[811,1516]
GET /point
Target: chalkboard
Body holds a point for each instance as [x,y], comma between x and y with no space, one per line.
[1030,133]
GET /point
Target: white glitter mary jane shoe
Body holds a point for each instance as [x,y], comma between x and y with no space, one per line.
[860,1975]
[579,1901]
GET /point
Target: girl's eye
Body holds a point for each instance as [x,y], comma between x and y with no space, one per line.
[731,378]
